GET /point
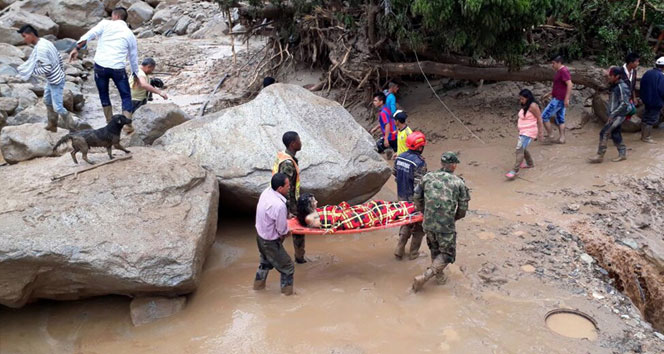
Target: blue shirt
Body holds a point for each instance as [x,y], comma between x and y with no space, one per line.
[406,168]
[391,102]
[652,88]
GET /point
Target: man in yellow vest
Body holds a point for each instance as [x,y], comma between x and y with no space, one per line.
[287,164]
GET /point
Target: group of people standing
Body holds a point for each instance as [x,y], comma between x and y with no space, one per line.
[116,45]
[623,101]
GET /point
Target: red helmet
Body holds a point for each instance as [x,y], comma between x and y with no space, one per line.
[415,140]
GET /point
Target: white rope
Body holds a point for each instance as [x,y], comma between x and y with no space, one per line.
[443,103]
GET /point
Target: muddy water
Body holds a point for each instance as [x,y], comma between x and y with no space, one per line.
[351,298]
[572,325]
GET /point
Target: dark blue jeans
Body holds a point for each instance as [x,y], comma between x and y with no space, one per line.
[119,76]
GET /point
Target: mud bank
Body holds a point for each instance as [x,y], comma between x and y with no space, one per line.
[624,235]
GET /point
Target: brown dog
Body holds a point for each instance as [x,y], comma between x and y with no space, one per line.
[108,137]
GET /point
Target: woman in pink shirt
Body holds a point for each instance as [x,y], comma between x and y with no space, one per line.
[530,128]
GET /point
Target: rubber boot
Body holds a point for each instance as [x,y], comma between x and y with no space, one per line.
[298,249]
[404,233]
[598,158]
[441,278]
[108,113]
[415,243]
[646,132]
[420,280]
[287,284]
[52,116]
[622,155]
[128,128]
[261,278]
[69,122]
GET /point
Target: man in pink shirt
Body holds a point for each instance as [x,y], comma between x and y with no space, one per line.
[272,228]
[562,89]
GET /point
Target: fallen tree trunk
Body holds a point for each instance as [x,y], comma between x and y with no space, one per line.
[590,78]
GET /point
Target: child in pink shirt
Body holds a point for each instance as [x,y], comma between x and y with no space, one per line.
[530,128]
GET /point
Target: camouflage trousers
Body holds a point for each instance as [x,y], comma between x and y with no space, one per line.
[442,244]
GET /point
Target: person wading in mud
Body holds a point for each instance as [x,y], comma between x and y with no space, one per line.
[443,199]
[530,128]
[409,168]
[619,107]
[386,125]
[272,229]
[287,164]
[560,94]
[116,43]
[652,95]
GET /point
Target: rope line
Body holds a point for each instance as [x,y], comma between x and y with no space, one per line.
[443,103]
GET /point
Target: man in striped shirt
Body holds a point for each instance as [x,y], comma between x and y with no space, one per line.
[45,60]
[117,43]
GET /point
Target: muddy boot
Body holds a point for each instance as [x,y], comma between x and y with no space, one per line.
[598,158]
[287,284]
[646,132]
[441,278]
[298,249]
[108,113]
[404,233]
[52,116]
[261,278]
[622,155]
[415,243]
[420,280]
[129,129]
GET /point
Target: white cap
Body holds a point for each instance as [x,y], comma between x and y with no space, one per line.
[660,61]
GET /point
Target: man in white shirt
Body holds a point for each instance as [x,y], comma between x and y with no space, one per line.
[116,43]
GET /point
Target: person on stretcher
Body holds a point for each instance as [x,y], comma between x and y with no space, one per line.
[347,217]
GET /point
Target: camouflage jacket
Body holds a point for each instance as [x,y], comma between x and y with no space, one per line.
[438,197]
[289,170]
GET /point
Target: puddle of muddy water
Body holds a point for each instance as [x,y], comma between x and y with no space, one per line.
[572,325]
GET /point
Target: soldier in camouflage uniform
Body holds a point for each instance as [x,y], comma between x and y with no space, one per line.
[443,199]
[287,164]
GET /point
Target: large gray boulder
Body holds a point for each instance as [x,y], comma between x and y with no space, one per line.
[153,120]
[26,96]
[12,51]
[37,114]
[75,17]
[216,27]
[40,7]
[139,13]
[27,141]
[18,18]
[600,108]
[338,161]
[10,36]
[140,226]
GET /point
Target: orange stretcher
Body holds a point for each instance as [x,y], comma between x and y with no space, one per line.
[298,229]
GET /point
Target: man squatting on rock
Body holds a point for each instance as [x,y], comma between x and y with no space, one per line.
[141,87]
[443,199]
[409,169]
[287,164]
[116,43]
[272,229]
[619,107]
[46,60]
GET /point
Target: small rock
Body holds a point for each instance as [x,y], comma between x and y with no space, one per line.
[659,335]
[598,296]
[630,243]
[144,310]
[146,34]
[528,268]
[587,258]
[624,317]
